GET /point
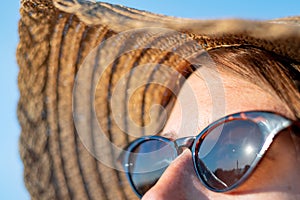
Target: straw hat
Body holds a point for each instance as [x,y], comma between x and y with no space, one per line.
[60,145]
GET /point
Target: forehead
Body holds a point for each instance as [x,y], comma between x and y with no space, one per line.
[208,95]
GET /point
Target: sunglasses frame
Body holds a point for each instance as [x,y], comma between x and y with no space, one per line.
[269,123]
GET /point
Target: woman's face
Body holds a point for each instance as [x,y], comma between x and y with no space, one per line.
[277,175]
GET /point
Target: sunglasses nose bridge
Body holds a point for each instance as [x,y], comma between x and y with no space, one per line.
[185,142]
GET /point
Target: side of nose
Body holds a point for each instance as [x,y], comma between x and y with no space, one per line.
[178,182]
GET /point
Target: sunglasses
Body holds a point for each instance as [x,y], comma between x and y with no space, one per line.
[224,153]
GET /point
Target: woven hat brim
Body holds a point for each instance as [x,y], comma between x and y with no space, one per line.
[55,38]
[280,35]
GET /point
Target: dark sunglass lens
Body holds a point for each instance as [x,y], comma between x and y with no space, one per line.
[147,163]
[227,153]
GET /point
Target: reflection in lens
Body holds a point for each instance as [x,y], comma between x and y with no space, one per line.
[148,162]
[227,152]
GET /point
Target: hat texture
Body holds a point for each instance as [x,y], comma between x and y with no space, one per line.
[56,40]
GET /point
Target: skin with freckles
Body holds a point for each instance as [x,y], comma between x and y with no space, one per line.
[277,175]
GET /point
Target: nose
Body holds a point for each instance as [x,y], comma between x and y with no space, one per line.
[178,182]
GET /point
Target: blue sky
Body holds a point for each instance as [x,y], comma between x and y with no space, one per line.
[11,181]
